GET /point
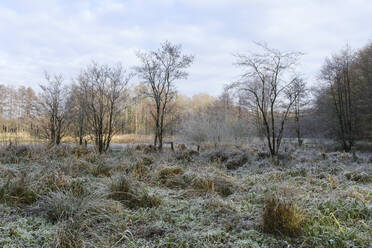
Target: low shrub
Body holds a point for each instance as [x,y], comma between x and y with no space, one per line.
[282,218]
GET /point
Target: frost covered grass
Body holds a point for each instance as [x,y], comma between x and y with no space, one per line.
[67,197]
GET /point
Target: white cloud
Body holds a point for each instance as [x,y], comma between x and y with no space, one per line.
[64,36]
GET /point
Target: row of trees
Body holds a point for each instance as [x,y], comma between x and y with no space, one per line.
[278,103]
[17,109]
[220,121]
[270,100]
[99,94]
[346,86]
[95,104]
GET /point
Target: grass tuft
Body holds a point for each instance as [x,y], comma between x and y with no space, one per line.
[68,235]
[18,191]
[217,184]
[281,217]
[131,194]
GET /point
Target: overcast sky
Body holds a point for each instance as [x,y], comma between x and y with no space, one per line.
[64,36]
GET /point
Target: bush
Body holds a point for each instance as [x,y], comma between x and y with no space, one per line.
[130,194]
[283,218]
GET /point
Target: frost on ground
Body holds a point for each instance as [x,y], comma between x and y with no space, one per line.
[72,197]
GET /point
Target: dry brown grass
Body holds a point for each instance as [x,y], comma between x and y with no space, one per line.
[281,217]
[80,151]
[168,172]
[217,184]
[172,177]
[132,138]
[141,172]
[68,235]
[18,191]
[131,194]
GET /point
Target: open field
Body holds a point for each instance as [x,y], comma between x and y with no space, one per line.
[72,197]
[27,139]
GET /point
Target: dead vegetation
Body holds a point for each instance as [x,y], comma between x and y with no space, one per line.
[73,197]
[282,217]
[131,194]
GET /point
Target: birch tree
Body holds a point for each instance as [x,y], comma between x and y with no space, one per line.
[160,70]
[268,80]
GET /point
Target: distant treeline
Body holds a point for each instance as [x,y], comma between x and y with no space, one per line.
[270,100]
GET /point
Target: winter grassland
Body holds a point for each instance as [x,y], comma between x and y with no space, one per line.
[226,197]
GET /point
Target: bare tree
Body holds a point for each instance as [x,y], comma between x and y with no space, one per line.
[338,74]
[103,91]
[76,114]
[53,106]
[343,103]
[160,70]
[299,90]
[363,69]
[268,80]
